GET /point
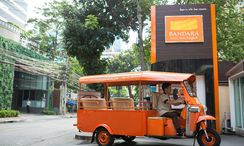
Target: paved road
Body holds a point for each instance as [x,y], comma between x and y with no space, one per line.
[56,130]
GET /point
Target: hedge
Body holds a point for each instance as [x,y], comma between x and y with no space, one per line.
[48,112]
[8,113]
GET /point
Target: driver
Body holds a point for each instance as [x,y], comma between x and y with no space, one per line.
[164,107]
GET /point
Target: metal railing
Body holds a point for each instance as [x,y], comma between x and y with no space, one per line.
[10,27]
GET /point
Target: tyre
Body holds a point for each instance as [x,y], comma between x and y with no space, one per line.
[214,138]
[104,138]
[128,138]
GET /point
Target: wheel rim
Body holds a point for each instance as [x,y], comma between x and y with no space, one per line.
[210,142]
[103,137]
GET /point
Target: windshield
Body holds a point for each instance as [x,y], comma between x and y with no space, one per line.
[191,88]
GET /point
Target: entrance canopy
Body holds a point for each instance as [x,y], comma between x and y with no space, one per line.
[130,78]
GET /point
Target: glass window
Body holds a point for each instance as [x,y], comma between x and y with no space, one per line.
[32,94]
[191,88]
[237,103]
[39,82]
[242,98]
[26,94]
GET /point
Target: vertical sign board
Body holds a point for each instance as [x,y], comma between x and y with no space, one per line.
[183,39]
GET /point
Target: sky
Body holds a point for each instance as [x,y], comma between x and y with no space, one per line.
[32,4]
[38,3]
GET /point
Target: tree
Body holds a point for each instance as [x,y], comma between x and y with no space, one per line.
[129,60]
[143,14]
[74,73]
[230,32]
[90,27]
[147,53]
[47,30]
[124,62]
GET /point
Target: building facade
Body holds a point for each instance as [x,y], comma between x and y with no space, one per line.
[17,85]
[183,39]
[13,17]
[14,11]
[236,88]
[32,87]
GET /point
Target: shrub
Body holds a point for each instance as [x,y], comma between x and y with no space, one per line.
[48,112]
[8,113]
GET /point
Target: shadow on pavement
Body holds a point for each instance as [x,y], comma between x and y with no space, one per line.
[145,144]
[133,144]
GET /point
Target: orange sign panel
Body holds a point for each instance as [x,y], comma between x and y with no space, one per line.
[186,28]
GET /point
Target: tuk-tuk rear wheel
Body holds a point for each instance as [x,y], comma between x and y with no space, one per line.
[214,138]
[128,138]
[104,138]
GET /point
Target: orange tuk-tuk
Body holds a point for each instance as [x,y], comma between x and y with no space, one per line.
[110,118]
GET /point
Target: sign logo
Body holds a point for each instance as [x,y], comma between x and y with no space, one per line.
[185,28]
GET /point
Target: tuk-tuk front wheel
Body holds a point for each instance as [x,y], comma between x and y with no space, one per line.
[128,138]
[212,140]
[104,138]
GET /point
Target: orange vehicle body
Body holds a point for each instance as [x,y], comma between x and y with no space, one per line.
[120,120]
[117,122]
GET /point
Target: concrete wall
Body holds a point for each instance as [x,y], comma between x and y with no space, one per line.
[224,102]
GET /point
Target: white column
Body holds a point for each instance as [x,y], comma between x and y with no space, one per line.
[232,104]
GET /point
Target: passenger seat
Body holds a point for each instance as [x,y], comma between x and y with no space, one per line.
[122,104]
[93,104]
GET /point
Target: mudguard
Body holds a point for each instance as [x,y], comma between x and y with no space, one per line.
[106,127]
[205,117]
[100,126]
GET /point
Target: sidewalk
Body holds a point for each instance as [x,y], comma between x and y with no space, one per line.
[23,117]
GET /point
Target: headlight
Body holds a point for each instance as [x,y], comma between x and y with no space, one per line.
[194,109]
[205,108]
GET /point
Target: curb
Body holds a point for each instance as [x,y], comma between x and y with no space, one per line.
[11,120]
[83,136]
[71,116]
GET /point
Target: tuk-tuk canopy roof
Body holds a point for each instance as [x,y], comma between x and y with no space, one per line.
[130,78]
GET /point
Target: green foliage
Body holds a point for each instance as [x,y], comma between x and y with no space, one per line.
[6,85]
[49,112]
[230,32]
[129,60]
[146,8]
[7,69]
[118,92]
[143,14]
[147,47]
[14,25]
[75,72]
[160,2]
[47,30]
[91,22]
[75,66]
[90,27]
[8,113]
[124,62]
[10,45]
